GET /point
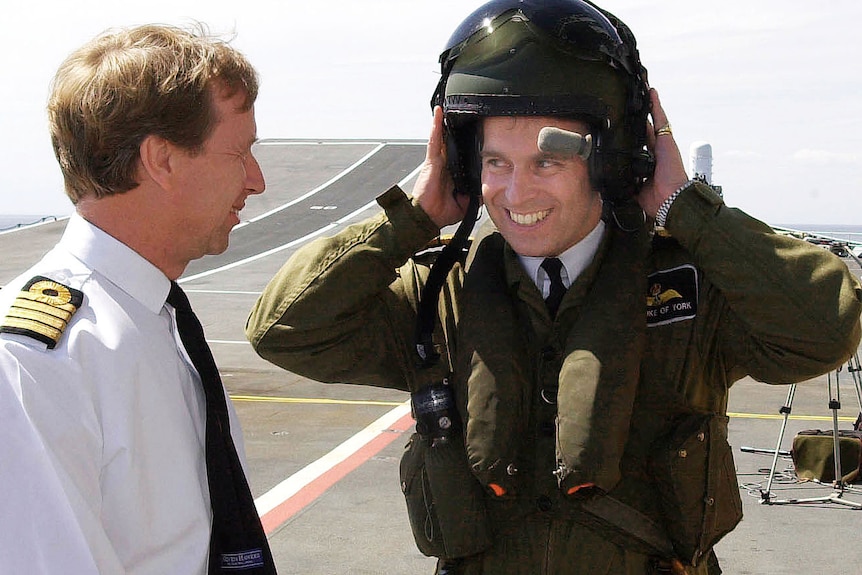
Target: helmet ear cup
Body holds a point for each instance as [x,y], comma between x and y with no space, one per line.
[462,156]
[595,165]
[621,160]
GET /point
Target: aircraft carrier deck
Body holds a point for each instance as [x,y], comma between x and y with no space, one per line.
[324,458]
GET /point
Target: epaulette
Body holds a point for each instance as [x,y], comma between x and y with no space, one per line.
[433,248]
[661,239]
[439,242]
[42,310]
[442,241]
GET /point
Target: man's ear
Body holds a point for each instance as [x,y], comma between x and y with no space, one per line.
[157,160]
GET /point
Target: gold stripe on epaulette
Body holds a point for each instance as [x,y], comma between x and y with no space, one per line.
[61,301]
[42,310]
[39,316]
[22,303]
[33,329]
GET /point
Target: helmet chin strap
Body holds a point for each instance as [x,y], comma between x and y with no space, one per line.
[561,142]
[426,314]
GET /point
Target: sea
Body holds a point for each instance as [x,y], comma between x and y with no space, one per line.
[844,232]
[12,221]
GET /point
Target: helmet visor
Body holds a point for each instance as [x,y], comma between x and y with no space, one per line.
[518,69]
[576,25]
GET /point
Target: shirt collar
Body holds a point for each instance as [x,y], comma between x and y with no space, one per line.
[117,262]
[575,259]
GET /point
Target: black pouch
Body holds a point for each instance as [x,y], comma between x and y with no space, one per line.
[445,503]
[696,481]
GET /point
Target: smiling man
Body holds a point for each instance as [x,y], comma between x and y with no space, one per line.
[542,202]
[570,387]
[121,451]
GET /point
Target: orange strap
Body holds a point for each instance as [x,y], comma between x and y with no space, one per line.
[498,490]
[577,487]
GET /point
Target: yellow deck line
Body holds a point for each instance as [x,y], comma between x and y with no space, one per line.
[797,417]
[324,401]
[321,401]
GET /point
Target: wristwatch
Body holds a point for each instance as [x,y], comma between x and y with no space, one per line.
[664,208]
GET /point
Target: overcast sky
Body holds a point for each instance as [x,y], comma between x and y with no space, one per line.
[772,85]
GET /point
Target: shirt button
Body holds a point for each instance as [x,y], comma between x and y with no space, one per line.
[543,502]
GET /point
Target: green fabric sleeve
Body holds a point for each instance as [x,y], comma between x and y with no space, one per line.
[337,311]
[792,308]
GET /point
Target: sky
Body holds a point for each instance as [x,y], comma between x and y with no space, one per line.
[772,85]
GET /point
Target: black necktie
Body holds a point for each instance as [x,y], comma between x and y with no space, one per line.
[553,266]
[238,544]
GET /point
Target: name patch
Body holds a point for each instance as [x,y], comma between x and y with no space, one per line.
[672,295]
[242,560]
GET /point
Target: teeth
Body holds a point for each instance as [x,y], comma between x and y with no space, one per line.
[529,219]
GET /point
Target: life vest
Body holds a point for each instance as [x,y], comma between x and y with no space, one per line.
[509,349]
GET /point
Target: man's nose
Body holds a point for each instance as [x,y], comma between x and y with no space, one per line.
[254,180]
[521,185]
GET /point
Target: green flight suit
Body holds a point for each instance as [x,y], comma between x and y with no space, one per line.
[725,298]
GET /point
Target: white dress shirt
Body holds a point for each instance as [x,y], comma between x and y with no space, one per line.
[575,260]
[102,465]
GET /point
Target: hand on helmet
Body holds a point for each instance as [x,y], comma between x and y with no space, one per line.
[669,172]
[434,189]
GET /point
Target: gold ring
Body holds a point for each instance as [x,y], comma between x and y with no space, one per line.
[664,130]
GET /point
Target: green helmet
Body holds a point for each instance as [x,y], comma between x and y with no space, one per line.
[547,58]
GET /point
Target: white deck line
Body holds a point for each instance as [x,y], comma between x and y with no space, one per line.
[322,186]
[297,241]
[313,471]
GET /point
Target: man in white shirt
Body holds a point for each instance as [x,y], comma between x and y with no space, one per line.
[102,410]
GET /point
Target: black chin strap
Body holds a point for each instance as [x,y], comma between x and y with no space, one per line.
[426,316]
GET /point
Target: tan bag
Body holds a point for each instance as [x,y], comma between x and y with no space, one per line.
[813,455]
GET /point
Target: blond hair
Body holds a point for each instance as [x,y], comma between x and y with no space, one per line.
[125,85]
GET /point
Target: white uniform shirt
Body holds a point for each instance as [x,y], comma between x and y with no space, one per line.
[102,464]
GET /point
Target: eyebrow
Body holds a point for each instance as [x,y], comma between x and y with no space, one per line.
[538,156]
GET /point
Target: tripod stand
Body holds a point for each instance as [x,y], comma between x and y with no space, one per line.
[839,487]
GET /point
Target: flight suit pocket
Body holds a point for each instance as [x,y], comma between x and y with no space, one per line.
[696,480]
[445,503]
[417,494]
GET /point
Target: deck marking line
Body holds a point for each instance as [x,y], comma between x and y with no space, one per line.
[300,489]
[313,400]
[308,194]
[791,417]
[222,292]
[296,242]
[257,256]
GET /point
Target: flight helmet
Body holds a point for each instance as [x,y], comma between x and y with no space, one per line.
[547,58]
[543,58]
